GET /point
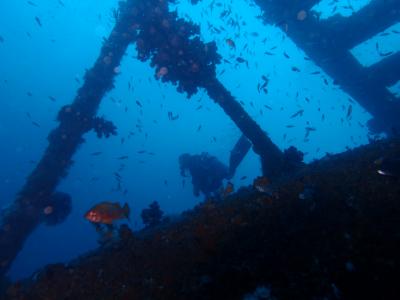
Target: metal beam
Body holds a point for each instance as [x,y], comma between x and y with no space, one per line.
[26,212]
[386,72]
[330,52]
[366,23]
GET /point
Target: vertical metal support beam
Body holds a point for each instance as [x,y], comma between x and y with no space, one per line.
[75,120]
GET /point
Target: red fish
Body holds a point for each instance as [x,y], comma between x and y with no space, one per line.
[107,212]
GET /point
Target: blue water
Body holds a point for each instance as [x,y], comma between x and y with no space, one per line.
[50,61]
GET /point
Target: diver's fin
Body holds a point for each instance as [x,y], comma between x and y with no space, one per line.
[238,152]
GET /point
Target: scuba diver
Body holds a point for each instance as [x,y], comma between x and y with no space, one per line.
[208,172]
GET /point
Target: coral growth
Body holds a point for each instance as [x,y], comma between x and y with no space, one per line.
[103,127]
[174,47]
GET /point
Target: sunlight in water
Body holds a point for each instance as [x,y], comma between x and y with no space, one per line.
[379,47]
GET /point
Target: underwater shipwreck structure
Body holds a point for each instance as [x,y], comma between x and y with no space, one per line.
[233,252]
[328,44]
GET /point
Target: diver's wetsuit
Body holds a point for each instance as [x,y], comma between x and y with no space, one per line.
[207,172]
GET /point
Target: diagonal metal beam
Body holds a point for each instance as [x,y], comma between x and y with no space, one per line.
[386,72]
[24,215]
[366,23]
[330,52]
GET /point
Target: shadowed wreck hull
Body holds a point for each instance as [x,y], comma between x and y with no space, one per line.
[329,232]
